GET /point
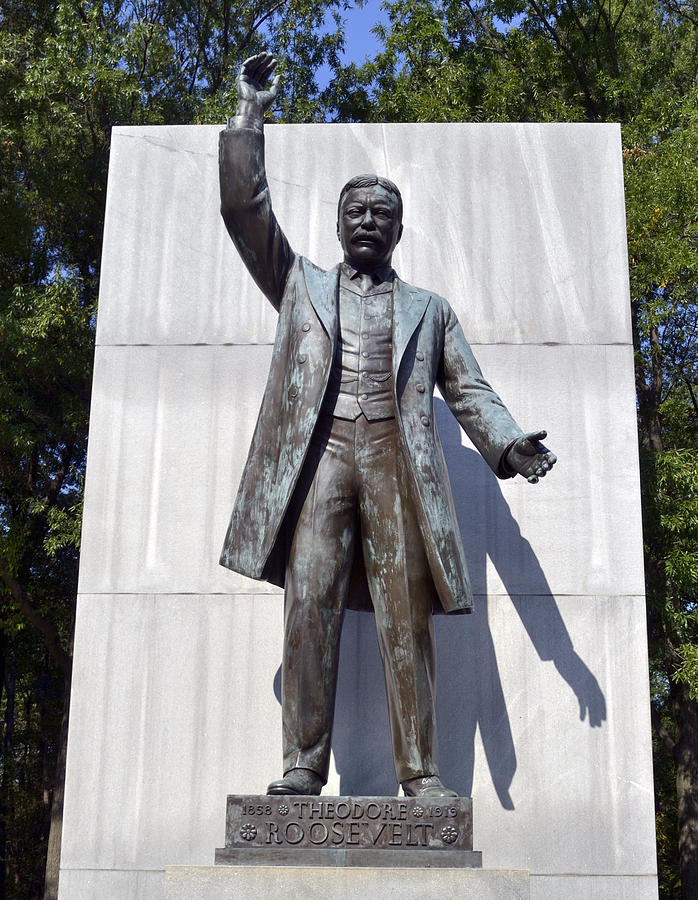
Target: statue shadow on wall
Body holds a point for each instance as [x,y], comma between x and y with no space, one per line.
[469,693]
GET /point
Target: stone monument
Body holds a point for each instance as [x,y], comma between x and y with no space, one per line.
[542,696]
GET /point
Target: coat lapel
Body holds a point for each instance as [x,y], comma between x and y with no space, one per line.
[322,290]
[409,306]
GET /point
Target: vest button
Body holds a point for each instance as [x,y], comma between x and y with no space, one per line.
[420,388]
[425,421]
[306,326]
[293,391]
[364,396]
[420,355]
[302,357]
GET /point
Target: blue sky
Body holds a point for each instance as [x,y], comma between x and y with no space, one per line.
[361,43]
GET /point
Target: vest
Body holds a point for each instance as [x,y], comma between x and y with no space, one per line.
[361,380]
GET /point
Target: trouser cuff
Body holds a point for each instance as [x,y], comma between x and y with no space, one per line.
[300,760]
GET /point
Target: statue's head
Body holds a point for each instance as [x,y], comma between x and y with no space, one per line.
[369,221]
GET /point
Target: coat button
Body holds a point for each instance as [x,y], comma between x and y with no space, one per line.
[420,388]
[364,397]
[306,326]
[420,355]
[364,353]
[426,421]
[302,357]
[293,391]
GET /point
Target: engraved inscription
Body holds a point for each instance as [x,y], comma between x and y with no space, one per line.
[387,823]
[259,809]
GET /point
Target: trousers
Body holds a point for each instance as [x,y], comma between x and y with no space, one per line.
[354,487]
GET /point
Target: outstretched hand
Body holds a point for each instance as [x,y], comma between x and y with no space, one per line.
[252,78]
[528,457]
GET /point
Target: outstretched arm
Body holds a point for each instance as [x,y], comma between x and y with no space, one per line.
[483,415]
[245,198]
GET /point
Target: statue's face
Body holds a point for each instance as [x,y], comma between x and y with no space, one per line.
[369,227]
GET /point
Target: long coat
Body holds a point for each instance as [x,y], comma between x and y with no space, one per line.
[428,349]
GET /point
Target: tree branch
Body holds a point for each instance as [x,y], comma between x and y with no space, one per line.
[255,24]
[661,731]
[620,14]
[491,33]
[53,642]
[679,10]
[694,400]
[56,482]
[561,44]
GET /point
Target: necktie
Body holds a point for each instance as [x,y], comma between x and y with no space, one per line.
[366,282]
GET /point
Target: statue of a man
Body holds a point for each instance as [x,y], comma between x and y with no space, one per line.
[345,497]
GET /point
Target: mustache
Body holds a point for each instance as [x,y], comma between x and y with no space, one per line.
[364,236]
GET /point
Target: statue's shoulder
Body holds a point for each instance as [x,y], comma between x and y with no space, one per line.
[307,265]
[313,273]
[423,293]
[305,279]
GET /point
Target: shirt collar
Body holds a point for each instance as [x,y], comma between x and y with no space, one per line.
[378,276]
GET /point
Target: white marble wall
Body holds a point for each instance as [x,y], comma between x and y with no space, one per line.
[543,704]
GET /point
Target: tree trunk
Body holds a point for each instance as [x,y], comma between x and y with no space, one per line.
[8,766]
[686,757]
[3,791]
[53,850]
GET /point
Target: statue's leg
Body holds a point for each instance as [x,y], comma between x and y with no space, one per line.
[403,596]
[317,580]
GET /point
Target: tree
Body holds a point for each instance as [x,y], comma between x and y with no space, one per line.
[69,71]
[662,202]
[635,62]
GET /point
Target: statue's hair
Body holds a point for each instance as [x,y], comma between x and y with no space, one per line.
[359,181]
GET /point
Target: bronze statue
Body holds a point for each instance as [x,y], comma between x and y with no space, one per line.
[345,497]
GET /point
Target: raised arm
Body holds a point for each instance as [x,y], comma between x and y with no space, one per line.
[245,198]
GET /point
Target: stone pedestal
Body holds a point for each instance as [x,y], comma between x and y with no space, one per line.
[356,832]
[264,882]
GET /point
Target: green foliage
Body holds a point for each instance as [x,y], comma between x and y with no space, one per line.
[32,705]
[687,670]
[670,487]
[665,796]
[516,61]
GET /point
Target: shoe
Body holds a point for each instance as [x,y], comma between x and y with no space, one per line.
[429,786]
[297,781]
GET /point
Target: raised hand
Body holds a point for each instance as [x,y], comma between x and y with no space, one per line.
[528,457]
[252,78]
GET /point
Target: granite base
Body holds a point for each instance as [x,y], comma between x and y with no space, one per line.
[270,882]
[355,859]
